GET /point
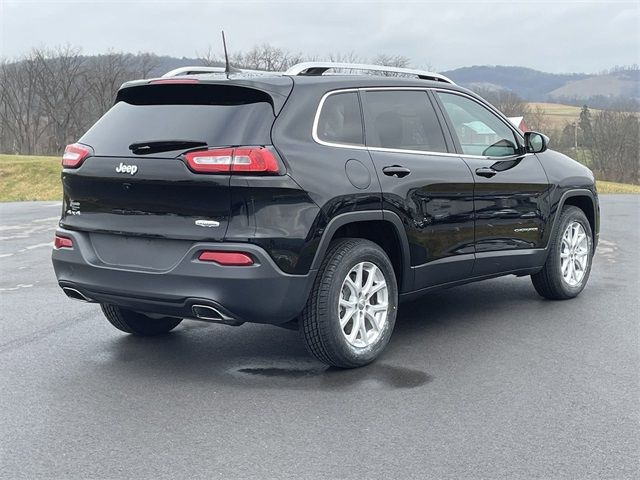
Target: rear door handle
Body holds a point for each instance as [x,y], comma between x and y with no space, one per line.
[486,172]
[396,171]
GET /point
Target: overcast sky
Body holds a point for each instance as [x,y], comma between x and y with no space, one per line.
[554,36]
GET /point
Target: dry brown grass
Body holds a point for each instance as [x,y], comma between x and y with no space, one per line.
[613,187]
[557,115]
[29,178]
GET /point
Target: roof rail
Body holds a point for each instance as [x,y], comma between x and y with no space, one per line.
[195,70]
[318,68]
[176,72]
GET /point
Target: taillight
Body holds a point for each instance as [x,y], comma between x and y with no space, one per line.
[235,259]
[62,242]
[74,155]
[254,160]
[210,161]
[227,160]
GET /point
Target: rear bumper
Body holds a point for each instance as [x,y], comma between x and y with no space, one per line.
[260,293]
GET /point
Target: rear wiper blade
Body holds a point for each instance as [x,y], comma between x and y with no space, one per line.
[155,146]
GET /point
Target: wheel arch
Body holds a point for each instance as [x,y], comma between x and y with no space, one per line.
[586,201]
[381,227]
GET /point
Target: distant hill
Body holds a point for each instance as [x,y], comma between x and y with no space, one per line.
[623,84]
[526,82]
[539,86]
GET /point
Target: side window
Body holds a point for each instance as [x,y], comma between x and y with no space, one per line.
[402,119]
[340,120]
[479,131]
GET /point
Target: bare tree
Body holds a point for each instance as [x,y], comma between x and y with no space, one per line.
[616,146]
[508,102]
[49,97]
[103,76]
[391,60]
[536,119]
[210,59]
[266,57]
[348,57]
[22,120]
[261,57]
[61,92]
[145,64]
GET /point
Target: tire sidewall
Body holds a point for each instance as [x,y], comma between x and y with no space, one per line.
[138,323]
[354,355]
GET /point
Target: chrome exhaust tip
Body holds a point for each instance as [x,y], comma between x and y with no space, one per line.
[77,295]
[210,314]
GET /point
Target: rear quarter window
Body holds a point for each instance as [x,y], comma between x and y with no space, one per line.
[340,119]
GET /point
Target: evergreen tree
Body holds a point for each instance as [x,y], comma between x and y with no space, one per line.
[586,132]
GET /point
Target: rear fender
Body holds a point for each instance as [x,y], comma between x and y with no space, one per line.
[363,216]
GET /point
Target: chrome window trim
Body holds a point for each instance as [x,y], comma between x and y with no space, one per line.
[417,152]
[316,120]
[498,159]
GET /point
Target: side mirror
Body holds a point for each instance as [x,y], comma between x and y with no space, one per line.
[535,142]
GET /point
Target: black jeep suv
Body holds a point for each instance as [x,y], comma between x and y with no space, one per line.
[312,201]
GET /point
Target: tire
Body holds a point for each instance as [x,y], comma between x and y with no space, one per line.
[368,324]
[552,282]
[137,323]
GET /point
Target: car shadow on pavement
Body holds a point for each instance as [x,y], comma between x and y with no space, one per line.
[263,356]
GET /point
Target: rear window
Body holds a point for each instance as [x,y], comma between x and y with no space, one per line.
[219,115]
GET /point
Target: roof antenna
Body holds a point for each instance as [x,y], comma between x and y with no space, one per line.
[228,69]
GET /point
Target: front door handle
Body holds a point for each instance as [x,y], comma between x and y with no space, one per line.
[396,171]
[486,172]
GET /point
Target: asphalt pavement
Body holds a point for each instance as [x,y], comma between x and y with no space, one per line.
[486,380]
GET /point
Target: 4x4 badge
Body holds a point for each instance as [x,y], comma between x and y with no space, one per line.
[130,169]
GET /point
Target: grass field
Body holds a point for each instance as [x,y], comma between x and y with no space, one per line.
[25,178]
[557,115]
[612,187]
[29,178]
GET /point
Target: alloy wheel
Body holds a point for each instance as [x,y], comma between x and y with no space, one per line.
[363,305]
[574,254]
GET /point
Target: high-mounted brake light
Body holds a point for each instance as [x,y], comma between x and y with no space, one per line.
[232,259]
[74,155]
[173,80]
[62,242]
[227,160]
